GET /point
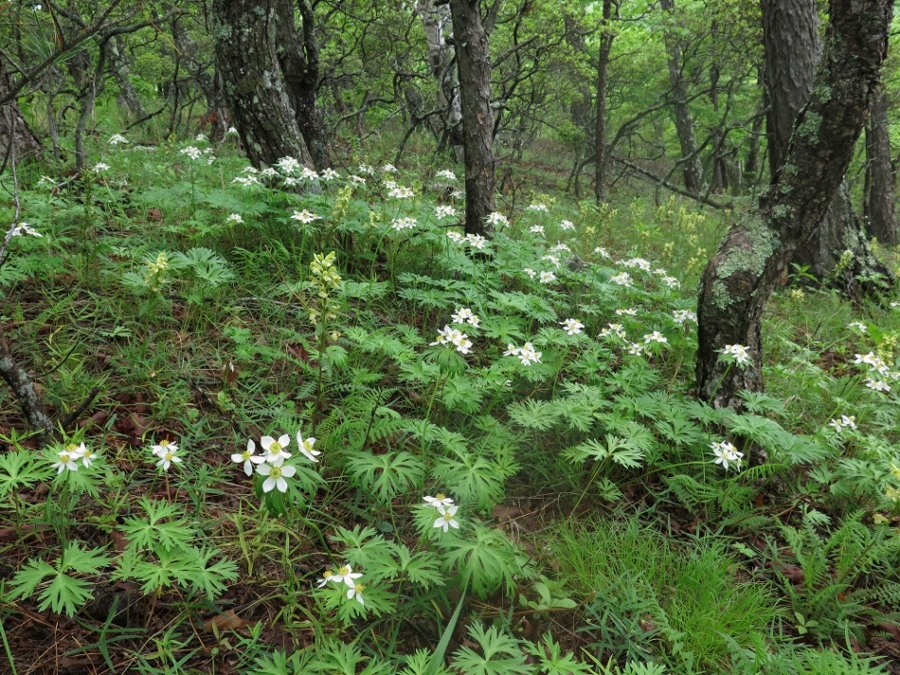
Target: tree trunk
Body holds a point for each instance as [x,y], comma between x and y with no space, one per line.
[16,138]
[739,279]
[881,183]
[474,67]
[793,50]
[602,148]
[692,168]
[435,18]
[255,91]
[128,96]
[299,60]
[206,81]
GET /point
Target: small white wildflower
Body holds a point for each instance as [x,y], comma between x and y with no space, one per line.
[446,174]
[25,228]
[439,500]
[444,211]
[100,167]
[635,348]
[655,336]
[622,279]
[560,247]
[530,272]
[234,218]
[739,353]
[306,447]
[446,520]
[572,326]
[329,174]
[401,192]
[275,450]
[528,355]
[116,139]
[683,315]
[345,575]
[554,260]
[476,241]
[357,180]
[567,225]
[288,165]
[877,385]
[465,315]
[455,237]
[630,311]
[846,422]
[366,169]
[308,174]
[275,476]
[248,458]
[231,132]
[400,224]
[389,168]
[538,207]
[537,229]
[603,252]
[671,282]
[496,218]
[547,277]
[858,325]
[305,216]
[356,592]
[726,454]
[192,151]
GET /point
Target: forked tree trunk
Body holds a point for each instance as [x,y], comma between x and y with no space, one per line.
[739,279]
[299,59]
[837,251]
[881,183]
[602,152]
[17,141]
[474,66]
[692,168]
[245,32]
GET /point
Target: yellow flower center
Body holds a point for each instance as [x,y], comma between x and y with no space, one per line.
[448,516]
[344,570]
[275,448]
[276,472]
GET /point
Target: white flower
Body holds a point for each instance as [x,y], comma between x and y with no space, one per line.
[248,457]
[613,328]
[234,218]
[306,447]
[726,453]
[602,251]
[476,241]
[389,168]
[538,207]
[192,152]
[25,228]
[231,132]
[547,277]
[446,519]
[68,458]
[308,174]
[250,169]
[877,385]
[168,457]
[268,172]
[163,447]
[567,225]
[200,138]
[275,450]
[497,219]
[537,229]
[683,315]
[455,237]
[623,279]
[561,247]
[287,165]
[444,211]
[528,355]
[530,272]
[100,167]
[635,348]
[367,169]
[655,336]
[357,180]
[449,335]
[739,353]
[116,139]
[87,456]
[400,224]
[465,315]
[325,578]
[305,216]
[346,575]
[637,262]
[446,174]
[329,174]
[554,260]
[439,500]
[275,476]
[245,181]
[874,362]
[631,311]
[671,282]
[846,422]
[572,326]
[400,192]
[356,592]
[858,325]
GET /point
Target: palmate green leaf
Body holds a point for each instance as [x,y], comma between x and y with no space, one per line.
[65,593]
[473,479]
[550,659]
[503,328]
[421,568]
[211,578]
[487,556]
[500,655]
[386,476]
[21,469]
[163,526]
[534,414]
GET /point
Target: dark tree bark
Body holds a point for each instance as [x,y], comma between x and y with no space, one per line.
[739,279]
[299,59]
[245,34]
[602,151]
[881,182]
[474,67]
[17,141]
[793,50]
[692,168]
[205,78]
[128,96]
